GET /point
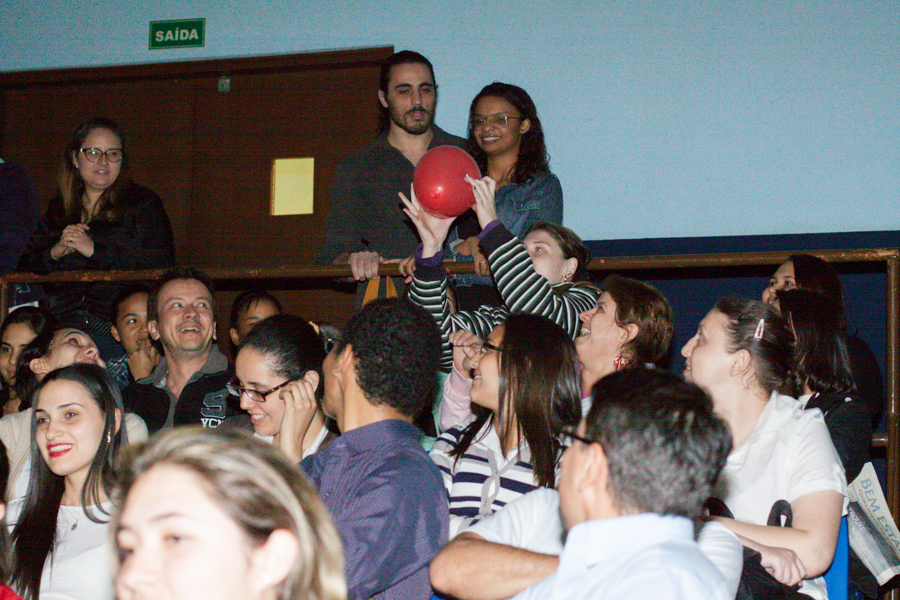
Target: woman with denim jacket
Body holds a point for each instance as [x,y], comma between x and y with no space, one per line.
[507,141]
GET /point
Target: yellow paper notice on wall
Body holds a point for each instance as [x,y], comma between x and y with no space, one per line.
[292,186]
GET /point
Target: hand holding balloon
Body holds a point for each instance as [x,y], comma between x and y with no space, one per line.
[440,184]
[432,230]
[485,206]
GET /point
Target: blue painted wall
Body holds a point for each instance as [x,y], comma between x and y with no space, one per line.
[664,119]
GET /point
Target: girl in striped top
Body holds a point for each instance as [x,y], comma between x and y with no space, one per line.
[525,388]
[535,275]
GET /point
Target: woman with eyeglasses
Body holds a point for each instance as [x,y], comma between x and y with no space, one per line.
[101,220]
[279,382]
[525,388]
[507,141]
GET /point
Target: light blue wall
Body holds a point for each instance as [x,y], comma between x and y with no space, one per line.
[664,119]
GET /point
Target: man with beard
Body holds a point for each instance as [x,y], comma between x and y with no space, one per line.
[366,225]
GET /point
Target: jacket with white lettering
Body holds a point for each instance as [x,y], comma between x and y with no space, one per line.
[203,401]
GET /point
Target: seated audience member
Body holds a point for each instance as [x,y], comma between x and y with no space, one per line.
[820,349]
[814,274]
[640,467]
[278,378]
[19,328]
[129,318]
[61,525]
[630,325]
[534,275]
[525,388]
[256,529]
[783,489]
[5,548]
[382,490]
[188,385]
[21,210]
[249,308]
[507,141]
[57,346]
[520,545]
[101,220]
[824,368]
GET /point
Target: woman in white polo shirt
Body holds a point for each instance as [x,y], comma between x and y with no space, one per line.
[783,462]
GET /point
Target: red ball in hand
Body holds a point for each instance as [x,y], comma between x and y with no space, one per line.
[439,181]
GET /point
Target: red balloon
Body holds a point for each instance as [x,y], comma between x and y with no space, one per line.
[439,181]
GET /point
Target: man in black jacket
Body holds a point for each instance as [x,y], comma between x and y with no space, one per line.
[188,386]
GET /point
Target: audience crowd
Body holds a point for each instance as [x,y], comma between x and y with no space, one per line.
[566,463]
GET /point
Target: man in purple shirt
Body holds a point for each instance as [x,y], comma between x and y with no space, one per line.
[385,495]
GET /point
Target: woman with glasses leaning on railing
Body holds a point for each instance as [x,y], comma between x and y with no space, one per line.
[507,141]
[101,220]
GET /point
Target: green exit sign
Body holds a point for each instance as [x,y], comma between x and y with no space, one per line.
[184,33]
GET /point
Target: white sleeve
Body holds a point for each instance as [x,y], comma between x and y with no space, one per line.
[531,522]
[724,550]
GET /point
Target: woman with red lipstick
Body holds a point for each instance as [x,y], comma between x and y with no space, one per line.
[19,328]
[59,539]
[507,141]
[279,383]
[101,220]
[57,346]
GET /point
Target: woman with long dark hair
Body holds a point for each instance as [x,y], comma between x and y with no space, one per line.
[824,369]
[58,345]
[525,388]
[811,273]
[60,530]
[783,489]
[506,139]
[101,220]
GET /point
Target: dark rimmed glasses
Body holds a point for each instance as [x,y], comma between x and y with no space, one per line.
[235,388]
[570,433]
[95,154]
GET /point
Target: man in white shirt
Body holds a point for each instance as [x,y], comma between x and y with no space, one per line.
[642,464]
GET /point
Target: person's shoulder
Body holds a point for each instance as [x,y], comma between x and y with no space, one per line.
[365,155]
[442,138]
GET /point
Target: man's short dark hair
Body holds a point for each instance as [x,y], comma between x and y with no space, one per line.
[664,444]
[176,274]
[125,294]
[248,298]
[404,57]
[397,348]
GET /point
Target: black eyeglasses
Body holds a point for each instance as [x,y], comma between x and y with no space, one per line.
[494,119]
[95,154]
[234,387]
[488,346]
[570,433]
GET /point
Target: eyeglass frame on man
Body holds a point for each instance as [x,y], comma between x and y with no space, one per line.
[570,433]
[102,153]
[496,119]
[235,388]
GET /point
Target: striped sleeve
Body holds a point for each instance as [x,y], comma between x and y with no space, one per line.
[524,290]
[430,293]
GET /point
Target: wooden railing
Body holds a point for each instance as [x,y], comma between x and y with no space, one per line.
[889,441]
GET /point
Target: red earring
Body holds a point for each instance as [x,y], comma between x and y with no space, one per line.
[618,363]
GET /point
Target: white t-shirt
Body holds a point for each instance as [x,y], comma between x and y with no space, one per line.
[533,523]
[788,455]
[78,567]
